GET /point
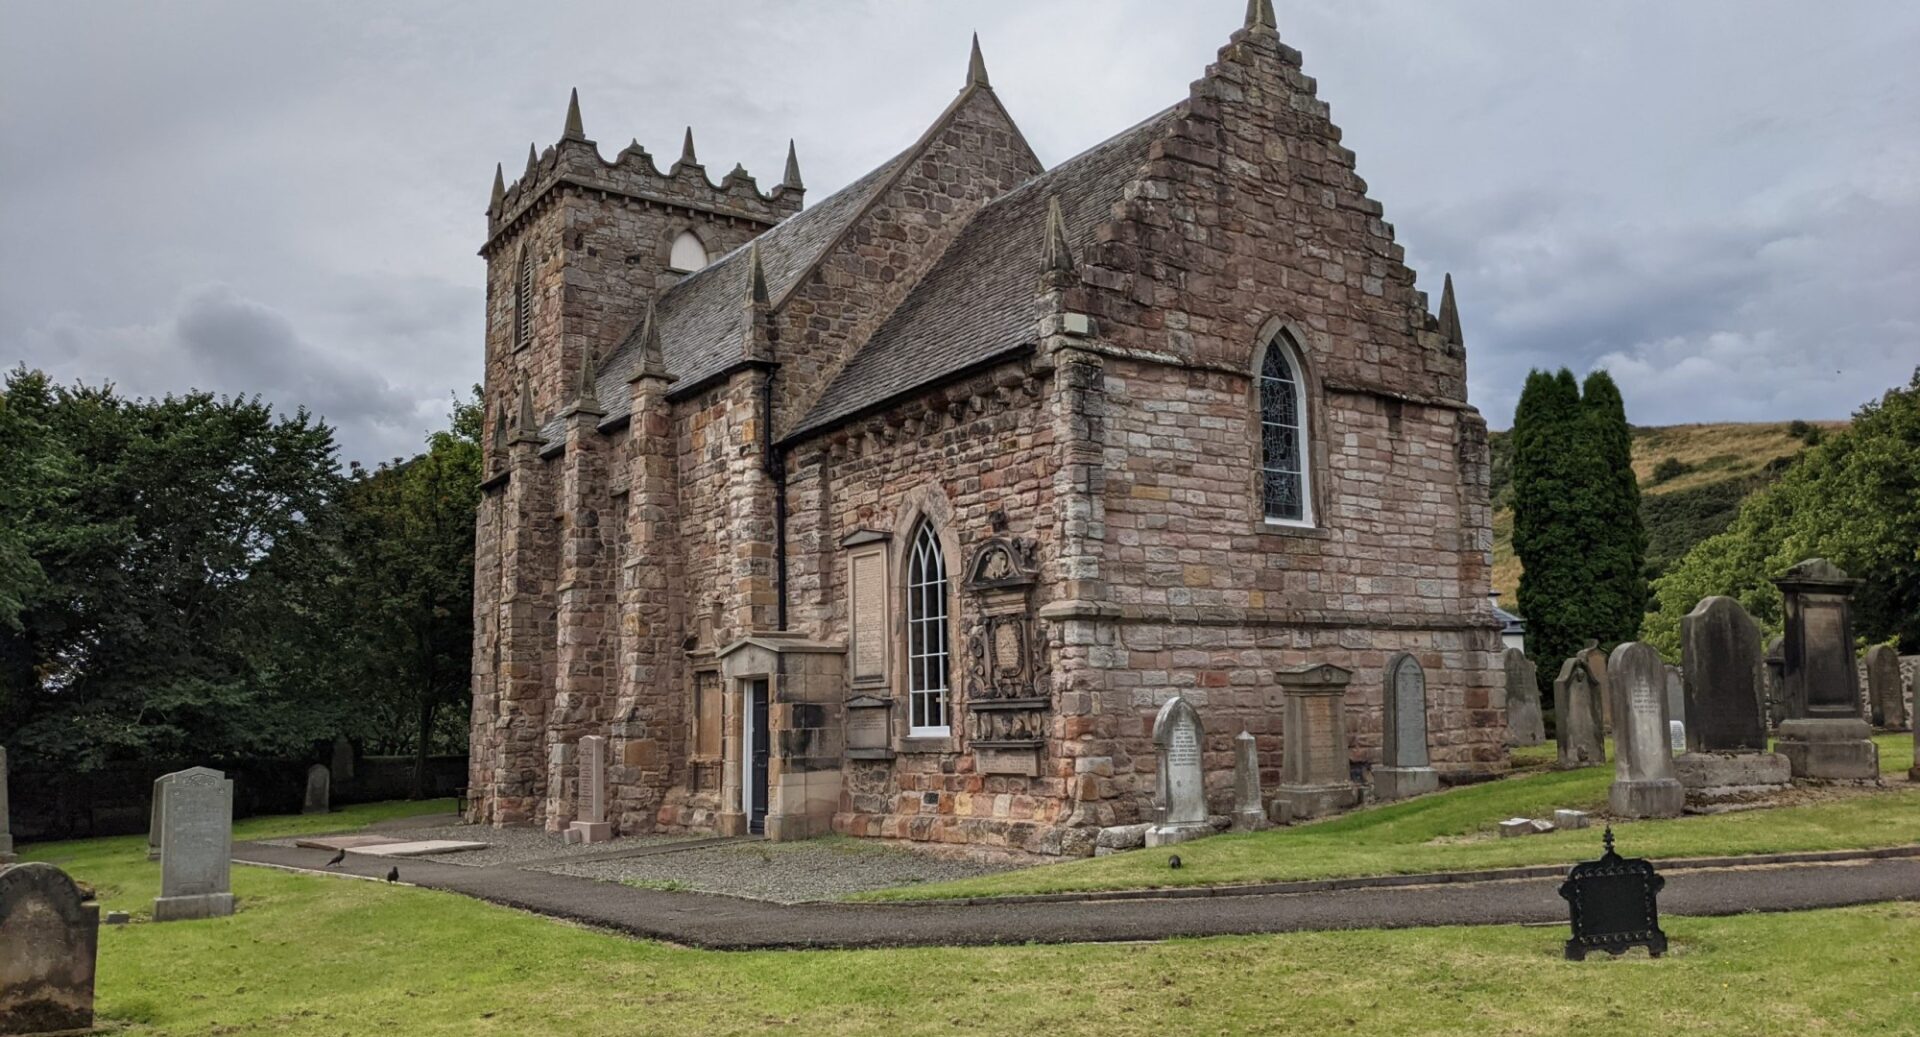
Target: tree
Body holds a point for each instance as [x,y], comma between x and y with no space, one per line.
[1618,557]
[1854,499]
[405,602]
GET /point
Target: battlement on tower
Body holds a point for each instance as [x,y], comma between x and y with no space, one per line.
[575,162]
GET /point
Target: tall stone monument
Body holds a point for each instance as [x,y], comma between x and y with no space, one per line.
[1525,725]
[594,828]
[319,798]
[196,849]
[1249,808]
[1405,768]
[6,823]
[1316,776]
[1884,688]
[1576,710]
[1827,739]
[49,939]
[1180,811]
[1643,780]
[1726,754]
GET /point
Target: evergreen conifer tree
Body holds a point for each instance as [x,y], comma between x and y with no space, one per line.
[1618,559]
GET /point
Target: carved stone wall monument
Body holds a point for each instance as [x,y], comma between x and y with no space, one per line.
[1525,725]
[1643,780]
[1828,739]
[1576,711]
[1180,810]
[197,846]
[1405,768]
[1316,773]
[1006,677]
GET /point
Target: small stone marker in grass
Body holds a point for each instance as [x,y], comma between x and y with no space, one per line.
[1525,725]
[1180,810]
[196,848]
[1405,768]
[1883,688]
[1575,705]
[1643,782]
[319,790]
[49,939]
[1613,905]
[1249,808]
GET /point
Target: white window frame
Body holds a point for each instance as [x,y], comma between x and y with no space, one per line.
[674,256]
[929,649]
[1280,347]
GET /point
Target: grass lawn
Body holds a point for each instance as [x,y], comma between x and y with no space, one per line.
[308,955]
[1455,830]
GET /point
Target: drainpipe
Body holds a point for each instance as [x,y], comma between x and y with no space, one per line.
[775,460]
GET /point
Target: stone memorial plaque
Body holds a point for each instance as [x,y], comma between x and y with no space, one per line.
[49,939]
[867,728]
[1827,659]
[196,848]
[868,632]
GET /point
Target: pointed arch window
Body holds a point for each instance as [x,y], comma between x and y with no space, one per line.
[523,300]
[689,253]
[929,659]
[1285,493]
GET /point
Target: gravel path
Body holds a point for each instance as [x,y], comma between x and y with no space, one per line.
[785,873]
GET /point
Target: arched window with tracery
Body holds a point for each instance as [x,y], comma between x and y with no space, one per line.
[1285,491]
[929,658]
[523,300]
[689,253]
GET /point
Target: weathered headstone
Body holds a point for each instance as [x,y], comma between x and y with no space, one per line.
[1405,768]
[1180,812]
[1884,688]
[1776,690]
[341,769]
[1316,775]
[319,790]
[1725,756]
[1577,728]
[197,847]
[1677,736]
[1828,739]
[1676,695]
[1249,808]
[593,826]
[49,939]
[1643,781]
[1525,725]
[157,816]
[6,829]
[1602,688]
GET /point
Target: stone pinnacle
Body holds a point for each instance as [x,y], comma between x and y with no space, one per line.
[499,190]
[1260,15]
[977,66]
[525,422]
[1450,314]
[1059,253]
[756,277]
[574,130]
[792,177]
[686,150]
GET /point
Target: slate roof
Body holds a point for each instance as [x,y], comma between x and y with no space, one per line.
[703,318]
[979,299]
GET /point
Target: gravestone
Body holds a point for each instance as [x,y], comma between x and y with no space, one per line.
[1575,705]
[1827,739]
[1405,769]
[6,825]
[341,769]
[593,826]
[1602,688]
[49,939]
[1776,691]
[1884,688]
[1180,812]
[157,816]
[1613,904]
[1643,780]
[1676,696]
[196,847]
[1677,736]
[1525,725]
[319,790]
[1249,809]
[1316,775]
[1725,757]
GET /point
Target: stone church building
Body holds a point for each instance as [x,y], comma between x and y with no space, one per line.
[900,514]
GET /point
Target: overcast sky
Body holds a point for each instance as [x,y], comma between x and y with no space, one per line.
[1717,201]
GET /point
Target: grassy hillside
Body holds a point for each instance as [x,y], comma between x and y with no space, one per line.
[1692,479]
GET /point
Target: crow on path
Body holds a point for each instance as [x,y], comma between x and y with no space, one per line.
[393,874]
[337,858]
[1173,861]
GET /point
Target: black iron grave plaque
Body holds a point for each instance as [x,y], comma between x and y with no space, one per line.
[1614,905]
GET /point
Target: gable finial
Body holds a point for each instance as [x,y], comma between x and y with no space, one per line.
[1450,315]
[499,191]
[1059,253]
[500,428]
[792,177]
[585,396]
[756,277]
[1260,15]
[574,130]
[653,359]
[977,66]
[686,150]
[525,425]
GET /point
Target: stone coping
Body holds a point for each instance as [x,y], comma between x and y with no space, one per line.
[1431,878]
